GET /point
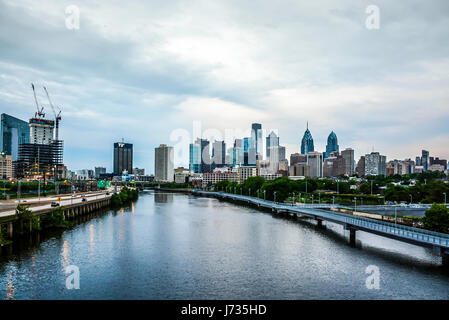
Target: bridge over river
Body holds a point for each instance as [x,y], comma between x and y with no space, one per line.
[416,236]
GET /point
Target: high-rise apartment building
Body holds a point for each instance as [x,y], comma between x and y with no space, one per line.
[164,163]
[41,131]
[123,158]
[375,164]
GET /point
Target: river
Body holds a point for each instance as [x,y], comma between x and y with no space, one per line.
[177,246]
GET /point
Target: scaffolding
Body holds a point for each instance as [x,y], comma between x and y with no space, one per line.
[39,160]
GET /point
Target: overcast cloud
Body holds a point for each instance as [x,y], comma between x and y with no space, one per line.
[139,70]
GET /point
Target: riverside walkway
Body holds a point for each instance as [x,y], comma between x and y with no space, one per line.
[321,212]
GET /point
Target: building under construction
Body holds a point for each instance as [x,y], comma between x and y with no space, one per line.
[42,158]
[39,160]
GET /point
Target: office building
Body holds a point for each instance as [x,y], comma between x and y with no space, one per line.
[211,178]
[199,156]
[332,144]
[13,133]
[256,136]
[164,163]
[245,172]
[123,158]
[334,165]
[315,162]
[218,154]
[5,166]
[138,172]
[297,158]
[299,170]
[271,141]
[348,155]
[360,170]
[425,159]
[307,142]
[99,171]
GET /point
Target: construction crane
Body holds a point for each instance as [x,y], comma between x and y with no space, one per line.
[40,112]
[57,115]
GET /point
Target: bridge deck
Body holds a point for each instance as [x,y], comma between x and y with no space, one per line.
[407,234]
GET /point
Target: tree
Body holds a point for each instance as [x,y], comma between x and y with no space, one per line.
[437,218]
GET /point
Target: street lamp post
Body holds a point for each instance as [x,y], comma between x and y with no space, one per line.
[444,198]
[319,197]
[395,215]
[274,196]
[312,198]
[355,204]
[265,195]
[258,193]
[249,192]
[411,199]
[333,200]
[293,199]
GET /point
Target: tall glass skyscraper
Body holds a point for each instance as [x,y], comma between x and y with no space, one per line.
[13,133]
[332,144]
[200,160]
[123,158]
[256,136]
[307,142]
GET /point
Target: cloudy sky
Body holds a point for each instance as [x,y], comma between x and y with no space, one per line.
[153,72]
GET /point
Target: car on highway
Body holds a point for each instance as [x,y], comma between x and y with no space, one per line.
[54,204]
[83,198]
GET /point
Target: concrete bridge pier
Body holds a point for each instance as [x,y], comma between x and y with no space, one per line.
[352,236]
[10,230]
[319,223]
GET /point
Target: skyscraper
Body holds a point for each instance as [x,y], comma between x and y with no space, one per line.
[200,160]
[271,141]
[123,158]
[375,164]
[348,155]
[332,144]
[13,133]
[218,154]
[256,136]
[425,160]
[315,163]
[307,142]
[164,163]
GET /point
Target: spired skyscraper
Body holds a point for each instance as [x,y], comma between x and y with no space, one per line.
[307,142]
[332,144]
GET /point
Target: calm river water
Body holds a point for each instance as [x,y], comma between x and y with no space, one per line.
[176,246]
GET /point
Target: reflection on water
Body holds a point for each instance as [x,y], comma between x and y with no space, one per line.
[174,246]
[161,197]
[9,288]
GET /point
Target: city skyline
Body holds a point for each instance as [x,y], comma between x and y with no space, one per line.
[111,85]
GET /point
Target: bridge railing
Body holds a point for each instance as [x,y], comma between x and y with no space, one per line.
[388,227]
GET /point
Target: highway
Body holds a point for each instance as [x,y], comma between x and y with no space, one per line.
[66,200]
